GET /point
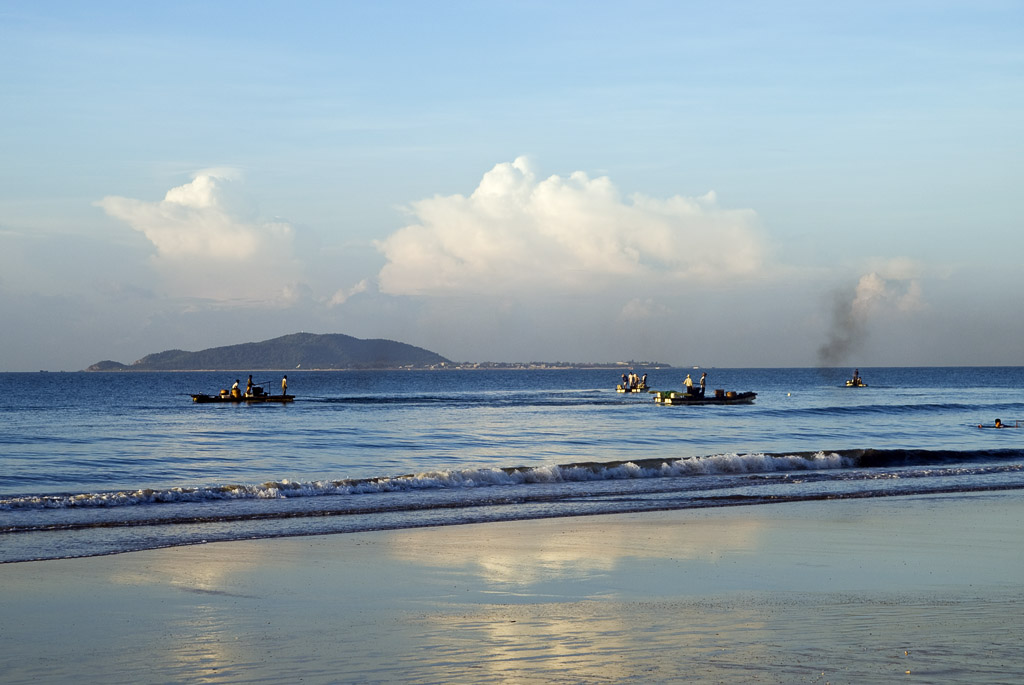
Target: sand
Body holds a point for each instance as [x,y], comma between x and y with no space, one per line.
[921,589]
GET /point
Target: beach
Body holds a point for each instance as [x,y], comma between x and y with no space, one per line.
[917,589]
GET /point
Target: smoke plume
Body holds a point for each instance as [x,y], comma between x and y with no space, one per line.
[853,309]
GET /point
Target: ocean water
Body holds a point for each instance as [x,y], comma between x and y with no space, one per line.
[102,463]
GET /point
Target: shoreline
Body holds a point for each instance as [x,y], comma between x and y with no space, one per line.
[822,591]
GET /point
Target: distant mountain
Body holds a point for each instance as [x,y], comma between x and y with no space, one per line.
[295,351]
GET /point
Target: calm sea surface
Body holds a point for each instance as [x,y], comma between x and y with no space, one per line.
[99,463]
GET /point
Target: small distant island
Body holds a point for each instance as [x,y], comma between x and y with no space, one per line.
[329,352]
[296,351]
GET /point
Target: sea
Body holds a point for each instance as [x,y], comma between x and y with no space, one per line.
[107,463]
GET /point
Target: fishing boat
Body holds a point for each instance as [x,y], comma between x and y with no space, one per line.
[635,388]
[720,397]
[856,381]
[256,396]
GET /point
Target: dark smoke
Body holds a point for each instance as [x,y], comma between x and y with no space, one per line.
[847,331]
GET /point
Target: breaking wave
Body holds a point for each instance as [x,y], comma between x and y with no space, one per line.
[718,464]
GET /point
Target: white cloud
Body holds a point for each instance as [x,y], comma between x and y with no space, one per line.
[344,294]
[911,299]
[515,233]
[870,290]
[875,293]
[210,243]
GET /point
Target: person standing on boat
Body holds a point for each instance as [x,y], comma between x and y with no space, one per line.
[234,389]
[688,382]
[284,385]
[248,386]
[703,381]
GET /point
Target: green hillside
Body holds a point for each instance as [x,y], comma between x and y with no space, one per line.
[295,351]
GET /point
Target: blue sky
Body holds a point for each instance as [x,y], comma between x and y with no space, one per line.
[714,183]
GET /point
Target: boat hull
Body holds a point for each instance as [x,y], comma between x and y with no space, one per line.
[228,399]
[686,398]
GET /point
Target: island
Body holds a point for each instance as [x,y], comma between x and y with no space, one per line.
[330,351]
[333,352]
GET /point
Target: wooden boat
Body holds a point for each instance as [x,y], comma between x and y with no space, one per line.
[720,397]
[856,383]
[637,388]
[226,396]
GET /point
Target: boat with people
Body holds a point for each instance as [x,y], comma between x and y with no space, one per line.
[720,397]
[856,381]
[253,393]
[226,396]
[632,383]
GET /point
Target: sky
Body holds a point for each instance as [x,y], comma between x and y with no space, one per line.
[732,184]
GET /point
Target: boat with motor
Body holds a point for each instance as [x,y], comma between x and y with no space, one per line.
[207,399]
[233,396]
[632,382]
[720,397]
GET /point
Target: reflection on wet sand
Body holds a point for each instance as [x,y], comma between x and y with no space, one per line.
[512,557]
[815,592]
[211,629]
[754,638]
[590,641]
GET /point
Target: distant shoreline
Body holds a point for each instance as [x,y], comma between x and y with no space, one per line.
[518,366]
[456,366]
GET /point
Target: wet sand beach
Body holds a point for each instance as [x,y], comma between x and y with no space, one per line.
[916,589]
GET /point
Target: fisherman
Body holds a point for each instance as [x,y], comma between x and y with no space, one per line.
[248,386]
[856,376]
[234,389]
[284,385]
[688,382]
[643,381]
[703,381]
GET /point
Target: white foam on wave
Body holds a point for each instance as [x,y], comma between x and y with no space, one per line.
[761,463]
[461,478]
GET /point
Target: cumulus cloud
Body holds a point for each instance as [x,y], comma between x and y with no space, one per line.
[341,296]
[515,232]
[209,241]
[893,288]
